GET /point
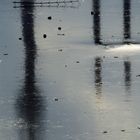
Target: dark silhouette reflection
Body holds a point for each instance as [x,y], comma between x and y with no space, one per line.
[98,38]
[127,75]
[127,21]
[54,3]
[30,103]
[96,20]
[98,76]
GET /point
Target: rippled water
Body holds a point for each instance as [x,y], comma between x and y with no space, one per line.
[78,82]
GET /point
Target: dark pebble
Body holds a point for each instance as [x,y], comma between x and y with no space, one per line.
[49,18]
[60,50]
[105,132]
[116,57]
[44,36]
[61,34]
[56,99]
[77,62]
[20,38]
[6,54]
[59,28]
[92,12]
[123,130]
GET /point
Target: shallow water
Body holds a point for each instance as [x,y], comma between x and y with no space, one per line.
[70,85]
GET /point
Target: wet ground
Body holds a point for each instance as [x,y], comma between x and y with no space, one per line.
[70,71]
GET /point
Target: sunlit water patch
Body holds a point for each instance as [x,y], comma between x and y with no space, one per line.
[123,50]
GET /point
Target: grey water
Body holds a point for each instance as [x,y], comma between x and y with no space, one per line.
[79,82]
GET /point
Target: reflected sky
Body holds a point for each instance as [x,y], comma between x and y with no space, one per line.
[79,105]
[29,103]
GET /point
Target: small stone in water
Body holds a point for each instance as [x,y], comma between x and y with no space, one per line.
[92,12]
[59,28]
[56,99]
[123,130]
[44,36]
[61,34]
[105,132]
[6,54]
[77,62]
[49,17]
[60,50]
[20,38]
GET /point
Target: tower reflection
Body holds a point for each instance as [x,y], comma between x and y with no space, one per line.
[127,20]
[96,21]
[126,24]
[29,102]
[98,76]
[127,76]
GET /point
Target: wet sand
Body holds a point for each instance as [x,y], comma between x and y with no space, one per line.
[70,71]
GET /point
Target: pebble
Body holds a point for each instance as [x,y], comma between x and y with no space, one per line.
[61,34]
[5,53]
[116,57]
[92,12]
[123,130]
[20,38]
[60,50]
[59,28]
[49,18]
[56,99]
[105,132]
[138,127]
[44,36]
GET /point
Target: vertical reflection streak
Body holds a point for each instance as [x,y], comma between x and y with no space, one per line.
[29,102]
[97,24]
[127,20]
[127,75]
[98,76]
